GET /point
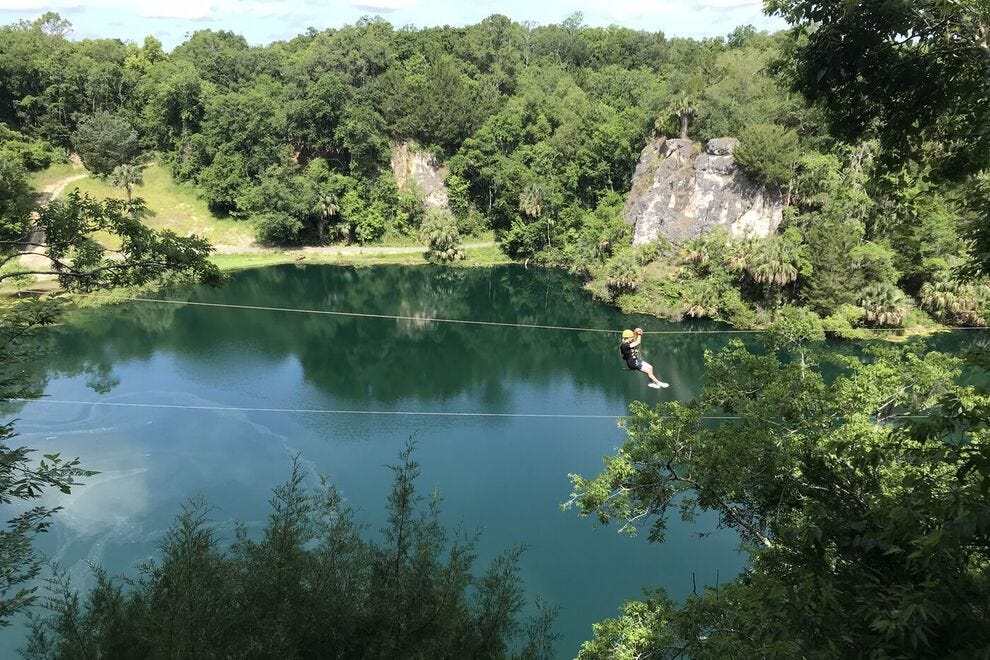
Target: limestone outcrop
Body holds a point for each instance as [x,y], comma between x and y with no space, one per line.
[421,171]
[679,192]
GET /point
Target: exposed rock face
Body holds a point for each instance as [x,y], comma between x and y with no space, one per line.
[421,171]
[680,193]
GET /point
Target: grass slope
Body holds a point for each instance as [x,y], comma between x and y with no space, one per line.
[173,206]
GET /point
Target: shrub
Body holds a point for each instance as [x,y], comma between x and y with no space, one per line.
[883,305]
[650,252]
[768,153]
[622,274]
[275,228]
[439,232]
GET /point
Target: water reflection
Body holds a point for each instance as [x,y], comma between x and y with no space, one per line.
[506,475]
[354,358]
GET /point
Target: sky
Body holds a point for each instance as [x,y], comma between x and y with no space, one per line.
[264,21]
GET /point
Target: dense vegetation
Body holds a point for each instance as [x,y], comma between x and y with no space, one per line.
[861,499]
[857,483]
[540,128]
[311,587]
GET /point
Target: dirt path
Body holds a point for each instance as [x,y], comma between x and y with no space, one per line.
[54,189]
[37,260]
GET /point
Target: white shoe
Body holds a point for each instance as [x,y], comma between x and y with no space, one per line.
[657,386]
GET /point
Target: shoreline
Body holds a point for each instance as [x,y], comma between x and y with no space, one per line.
[486,256]
[232,258]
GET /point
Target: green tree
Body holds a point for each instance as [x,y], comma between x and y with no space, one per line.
[954,301]
[362,134]
[62,243]
[105,141]
[327,208]
[276,228]
[684,107]
[127,176]
[865,527]
[768,153]
[312,585]
[883,305]
[864,64]
[776,262]
[622,274]
[439,231]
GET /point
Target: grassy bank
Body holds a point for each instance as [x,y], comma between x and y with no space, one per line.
[178,208]
[172,206]
[476,257]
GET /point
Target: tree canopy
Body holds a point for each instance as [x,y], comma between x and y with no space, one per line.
[314,585]
[860,498]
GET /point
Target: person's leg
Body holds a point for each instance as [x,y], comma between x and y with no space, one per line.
[647,369]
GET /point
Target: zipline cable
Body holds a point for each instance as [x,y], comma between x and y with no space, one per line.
[503,324]
[395,413]
[318,411]
[418,319]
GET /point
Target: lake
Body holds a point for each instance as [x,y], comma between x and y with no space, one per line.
[505,475]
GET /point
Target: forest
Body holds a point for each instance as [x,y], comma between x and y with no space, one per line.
[858,483]
[540,128]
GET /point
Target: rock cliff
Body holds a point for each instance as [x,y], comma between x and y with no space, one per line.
[678,193]
[421,171]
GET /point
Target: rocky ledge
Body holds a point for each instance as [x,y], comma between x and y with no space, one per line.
[679,192]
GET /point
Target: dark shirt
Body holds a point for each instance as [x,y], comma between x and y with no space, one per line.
[629,354]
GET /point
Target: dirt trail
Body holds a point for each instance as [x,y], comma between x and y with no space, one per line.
[54,189]
[37,260]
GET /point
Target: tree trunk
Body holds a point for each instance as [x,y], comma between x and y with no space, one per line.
[685,120]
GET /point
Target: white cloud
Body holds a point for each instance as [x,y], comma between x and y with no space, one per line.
[38,5]
[729,4]
[627,10]
[188,9]
[217,9]
[383,6]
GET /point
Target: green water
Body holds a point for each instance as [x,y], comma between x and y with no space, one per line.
[505,475]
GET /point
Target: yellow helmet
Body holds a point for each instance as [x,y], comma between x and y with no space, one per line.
[628,334]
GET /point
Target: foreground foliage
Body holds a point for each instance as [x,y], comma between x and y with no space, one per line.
[58,241]
[313,586]
[868,529]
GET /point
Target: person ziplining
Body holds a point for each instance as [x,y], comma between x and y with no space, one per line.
[629,347]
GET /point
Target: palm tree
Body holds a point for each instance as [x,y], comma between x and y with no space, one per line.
[696,251]
[883,304]
[531,200]
[741,254]
[531,203]
[622,274]
[327,208]
[684,108]
[127,176]
[952,301]
[439,231]
[773,263]
[699,302]
[941,298]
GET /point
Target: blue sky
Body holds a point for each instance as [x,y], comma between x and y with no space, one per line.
[264,21]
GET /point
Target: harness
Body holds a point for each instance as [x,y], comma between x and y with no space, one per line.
[630,355]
